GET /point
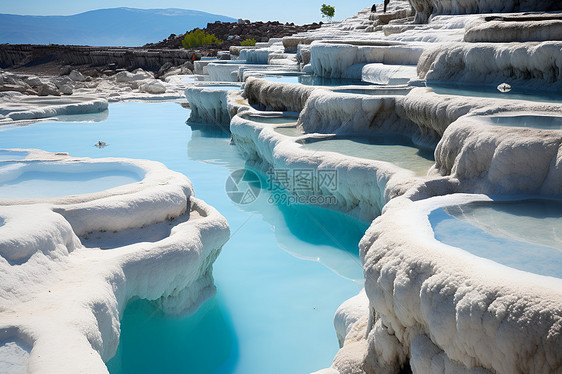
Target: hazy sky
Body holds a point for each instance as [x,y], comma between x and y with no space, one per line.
[298,11]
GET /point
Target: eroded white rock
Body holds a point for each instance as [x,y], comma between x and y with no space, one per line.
[61,301]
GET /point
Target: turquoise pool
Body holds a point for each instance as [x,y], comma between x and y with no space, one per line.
[57,182]
[532,121]
[516,93]
[6,155]
[280,278]
[389,148]
[273,120]
[375,90]
[522,234]
[291,131]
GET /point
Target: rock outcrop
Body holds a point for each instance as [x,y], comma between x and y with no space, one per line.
[235,32]
[103,58]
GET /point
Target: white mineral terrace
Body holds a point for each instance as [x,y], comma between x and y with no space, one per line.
[463,190]
[429,306]
[62,301]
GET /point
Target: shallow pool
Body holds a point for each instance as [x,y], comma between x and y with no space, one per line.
[273,120]
[56,182]
[89,117]
[544,122]
[12,155]
[375,91]
[393,149]
[312,80]
[516,93]
[283,78]
[220,87]
[280,278]
[522,234]
[292,131]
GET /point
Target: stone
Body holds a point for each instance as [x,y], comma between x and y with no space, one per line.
[66,89]
[65,70]
[32,80]
[48,89]
[76,76]
[153,87]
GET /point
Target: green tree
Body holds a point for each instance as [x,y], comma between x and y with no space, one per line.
[248,42]
[328,11]
[197,38]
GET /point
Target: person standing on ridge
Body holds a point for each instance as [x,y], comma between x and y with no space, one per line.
[385,4]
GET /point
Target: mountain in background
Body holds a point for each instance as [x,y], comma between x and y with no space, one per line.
[104,27]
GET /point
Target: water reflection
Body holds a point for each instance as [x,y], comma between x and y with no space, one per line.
[525,235]
[307,232]
[398,150]
[203,343]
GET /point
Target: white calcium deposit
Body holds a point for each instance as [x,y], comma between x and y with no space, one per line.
[425,8]
[61,295]
[17,108]
[209,102]
[81,95]
[363,186]
[535,64]
[427,306]
[515,28]
[445,310]
[502,160]
[348,113]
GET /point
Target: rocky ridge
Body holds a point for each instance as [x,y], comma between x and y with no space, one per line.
[233,33]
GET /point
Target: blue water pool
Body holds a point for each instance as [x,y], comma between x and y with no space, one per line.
[522,234]
[312,80]
[291,131]
[287,124]
[221,87]
[280,278]
[283,78]
[6,155]
[533,121]
[395,149]
[56,182]
[516,93]
[272,120]
[90,117]
[375,90]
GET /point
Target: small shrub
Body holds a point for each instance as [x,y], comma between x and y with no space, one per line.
[328,11]
[248,42]
[197,38]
